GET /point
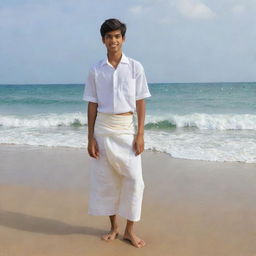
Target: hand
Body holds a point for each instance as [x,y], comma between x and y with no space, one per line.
[93,148]
[138,145]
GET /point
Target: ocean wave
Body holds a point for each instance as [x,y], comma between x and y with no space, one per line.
[199,121]
[44,120]
[202,121]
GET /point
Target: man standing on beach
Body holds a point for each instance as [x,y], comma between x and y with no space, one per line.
[115,90]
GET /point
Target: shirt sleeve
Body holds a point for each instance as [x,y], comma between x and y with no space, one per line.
[142,90]
[90,93]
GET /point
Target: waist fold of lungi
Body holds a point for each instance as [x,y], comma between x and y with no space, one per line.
[112,124]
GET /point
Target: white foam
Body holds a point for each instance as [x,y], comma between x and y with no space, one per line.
[212,142]
[204,121]
[43,120]
[201,121]
[204,146]
[219,146]
[50,138]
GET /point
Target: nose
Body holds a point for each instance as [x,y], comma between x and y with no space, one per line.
[113,40]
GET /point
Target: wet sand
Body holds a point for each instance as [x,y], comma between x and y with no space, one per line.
[189,207]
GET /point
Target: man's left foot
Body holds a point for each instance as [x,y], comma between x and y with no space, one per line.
[134,240]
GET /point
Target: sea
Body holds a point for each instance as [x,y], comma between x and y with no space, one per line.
[201,121]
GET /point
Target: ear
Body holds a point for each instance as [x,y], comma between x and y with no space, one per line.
[124,38]
[103,40]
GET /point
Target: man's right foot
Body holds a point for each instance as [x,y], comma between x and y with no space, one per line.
[111,235]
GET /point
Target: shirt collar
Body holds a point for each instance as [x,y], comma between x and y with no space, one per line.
[124,59]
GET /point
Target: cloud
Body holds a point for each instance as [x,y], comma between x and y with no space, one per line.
[194,9]
[169,11]
[238,9]
[138,9]
[58,40]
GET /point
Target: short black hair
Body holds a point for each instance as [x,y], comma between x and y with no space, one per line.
[111,25]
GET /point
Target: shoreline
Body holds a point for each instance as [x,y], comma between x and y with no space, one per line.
[43,147]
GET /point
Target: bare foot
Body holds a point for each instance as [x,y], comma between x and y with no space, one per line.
[134,240]
[111,235]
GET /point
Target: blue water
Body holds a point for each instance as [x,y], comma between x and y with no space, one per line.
[206,121]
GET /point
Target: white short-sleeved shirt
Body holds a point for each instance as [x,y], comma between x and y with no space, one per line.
[116,90]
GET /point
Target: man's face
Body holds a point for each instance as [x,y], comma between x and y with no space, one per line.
[113,40]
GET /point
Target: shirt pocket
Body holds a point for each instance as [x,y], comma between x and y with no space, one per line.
[128,87]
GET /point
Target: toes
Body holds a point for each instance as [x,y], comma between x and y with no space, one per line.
[105,237]
[137,242]
[142,242]
[108,237]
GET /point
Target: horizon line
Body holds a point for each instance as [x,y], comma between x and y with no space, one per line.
[148,83]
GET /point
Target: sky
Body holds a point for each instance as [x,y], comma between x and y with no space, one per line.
[176,41]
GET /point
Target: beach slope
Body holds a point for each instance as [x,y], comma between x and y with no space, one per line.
[189,207]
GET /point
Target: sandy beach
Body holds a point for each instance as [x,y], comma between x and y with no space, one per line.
[189,207]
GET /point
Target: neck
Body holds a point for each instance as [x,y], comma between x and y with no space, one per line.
[114,56]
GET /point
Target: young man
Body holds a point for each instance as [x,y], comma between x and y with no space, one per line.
[115,90]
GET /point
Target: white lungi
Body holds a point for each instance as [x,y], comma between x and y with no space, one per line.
[116,182]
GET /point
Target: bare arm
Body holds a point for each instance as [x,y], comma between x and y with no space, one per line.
[91,117]
[139,139]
